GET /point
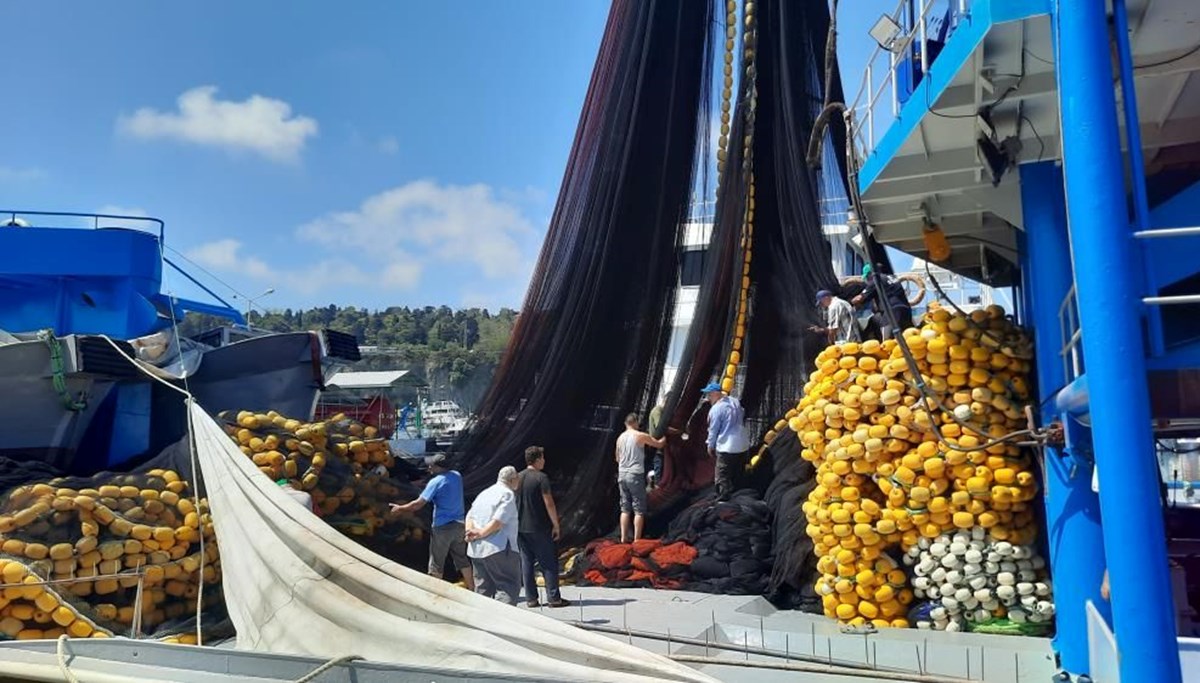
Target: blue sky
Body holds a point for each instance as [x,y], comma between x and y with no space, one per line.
[383,153]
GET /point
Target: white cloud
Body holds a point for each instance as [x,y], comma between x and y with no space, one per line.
[450,223]
[389,145]
[495,299]
[258,124]
[528,195]
[389,241]
[115,210]
[227,256]
[11,174]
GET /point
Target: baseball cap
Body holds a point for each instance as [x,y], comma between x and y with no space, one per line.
[822,294]
[710,387]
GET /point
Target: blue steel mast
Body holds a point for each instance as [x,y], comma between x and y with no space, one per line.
[1108,281]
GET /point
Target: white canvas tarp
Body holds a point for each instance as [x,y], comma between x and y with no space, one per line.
[295,585]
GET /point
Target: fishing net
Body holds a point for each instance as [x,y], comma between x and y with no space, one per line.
[723,547]
[127,554]
[592,336]
[590,342]
[134,554]
[788,263]
[347,469]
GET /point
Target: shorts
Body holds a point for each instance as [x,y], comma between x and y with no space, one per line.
[448,539]
[633,492]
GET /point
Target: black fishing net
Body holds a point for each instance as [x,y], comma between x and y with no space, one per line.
[82,555]
[592,336]
[590,342]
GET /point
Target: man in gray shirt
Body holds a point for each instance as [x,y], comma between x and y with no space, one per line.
[840,324]
[631,475]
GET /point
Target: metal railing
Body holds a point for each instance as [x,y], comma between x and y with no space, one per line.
[914,31]
[46,219]
[1072,336]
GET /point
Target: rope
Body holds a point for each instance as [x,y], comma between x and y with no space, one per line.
[191,401]
[60,651]
[186,391]
[58,372]
[828,669]
[312,675]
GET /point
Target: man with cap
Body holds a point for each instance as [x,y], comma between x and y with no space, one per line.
[448,535]
[883,289]
[727,440]
[840,324]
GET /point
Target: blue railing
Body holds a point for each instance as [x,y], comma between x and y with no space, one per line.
[24,219]
[921,28]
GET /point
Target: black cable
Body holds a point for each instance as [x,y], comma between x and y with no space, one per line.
[1052,395]
[1172,60]
[982,241]
[817,136]
[1172,449]
[1040,59]
[987,107]
[918,381]
[1041,142]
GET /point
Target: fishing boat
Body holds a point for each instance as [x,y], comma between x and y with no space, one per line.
[438,417]
[1047,147]
[80,294]
[1051,147]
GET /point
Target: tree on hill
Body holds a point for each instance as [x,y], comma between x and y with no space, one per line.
[429,339]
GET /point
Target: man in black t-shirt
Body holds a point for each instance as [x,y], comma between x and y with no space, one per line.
[537,529]
[880,287]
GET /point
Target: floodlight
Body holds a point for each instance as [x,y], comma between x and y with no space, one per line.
[885,32]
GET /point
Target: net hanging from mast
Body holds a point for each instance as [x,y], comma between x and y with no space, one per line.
[591,340]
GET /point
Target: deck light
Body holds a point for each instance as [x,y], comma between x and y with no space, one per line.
[885,32]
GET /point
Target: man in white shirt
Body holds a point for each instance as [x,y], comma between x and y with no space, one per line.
[492,539]
[727,439]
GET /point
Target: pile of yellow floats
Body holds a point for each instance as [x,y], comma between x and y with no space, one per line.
[341,462]
[94,557]
[898,469]
[82,557]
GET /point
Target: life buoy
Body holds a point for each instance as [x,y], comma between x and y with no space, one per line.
[914,278]
[13,222]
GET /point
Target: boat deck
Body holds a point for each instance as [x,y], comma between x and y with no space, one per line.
[739,639]
[749,630]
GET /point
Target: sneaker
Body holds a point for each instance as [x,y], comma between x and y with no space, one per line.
[561,602]
[533,604]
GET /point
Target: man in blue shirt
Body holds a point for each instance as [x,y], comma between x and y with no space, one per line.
[448,536]
[727,441]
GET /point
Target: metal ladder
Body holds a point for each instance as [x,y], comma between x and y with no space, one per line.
[1162,233]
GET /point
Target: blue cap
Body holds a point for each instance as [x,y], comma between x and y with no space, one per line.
[822,294]
[867,270]
[710,387]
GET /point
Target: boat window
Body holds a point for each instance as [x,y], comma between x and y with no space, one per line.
[678,339]
[691,268]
